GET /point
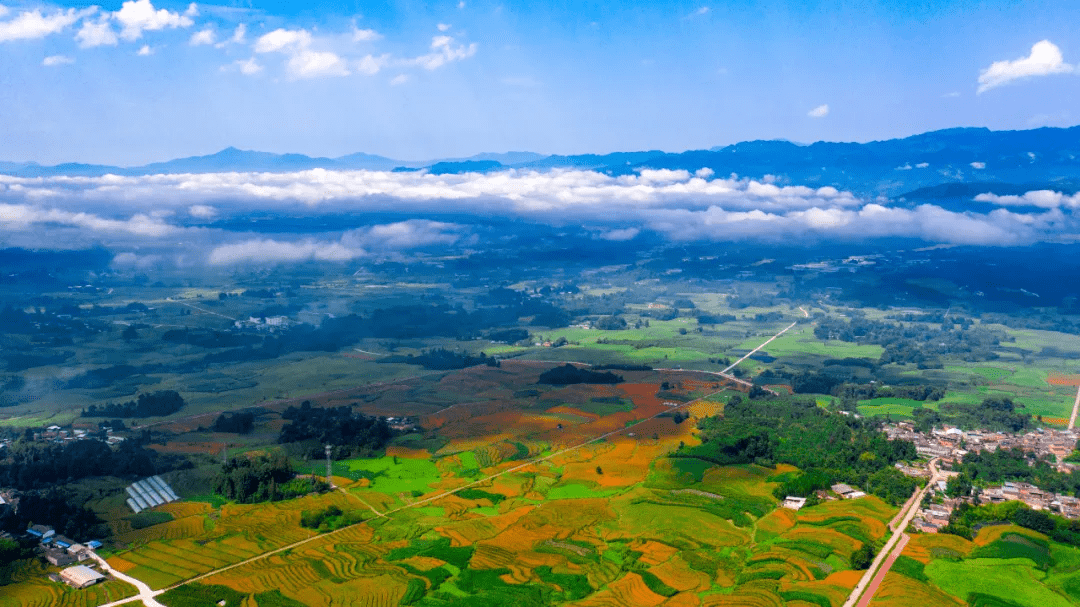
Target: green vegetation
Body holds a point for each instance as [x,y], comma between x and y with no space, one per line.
[201,595]
[148,518]
[156,404]
[479,494]
[570,374]
[349,433]
[328,519]
[262,478]
[835,448]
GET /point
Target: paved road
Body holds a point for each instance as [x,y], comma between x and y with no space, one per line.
[1076,407]
[767,342]
[872,588]
[146,594]
[890,546]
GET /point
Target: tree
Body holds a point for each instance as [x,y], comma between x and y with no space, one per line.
[959,486]
[863,557]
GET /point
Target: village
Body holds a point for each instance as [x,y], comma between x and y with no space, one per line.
[949,445]
[61,551]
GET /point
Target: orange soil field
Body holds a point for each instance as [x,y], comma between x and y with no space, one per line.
[1061,379]
[924,547]
[901,591]
[993,533]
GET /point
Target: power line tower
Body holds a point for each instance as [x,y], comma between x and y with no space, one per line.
[329,451]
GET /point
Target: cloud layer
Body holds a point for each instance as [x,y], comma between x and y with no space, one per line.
[155,216]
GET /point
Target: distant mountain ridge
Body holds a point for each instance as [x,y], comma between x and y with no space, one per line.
[1010,160]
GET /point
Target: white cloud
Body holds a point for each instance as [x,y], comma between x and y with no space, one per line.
[620,234]
[951,95]
[202,211]
[202,37]
[145,51]
[249,67]
[978,165]
[55,60]
[356,243]
[268,251]
[137,16]
[820,111]
[461,4]
[399,79]
[1045,59]
[371,64]
[702,11]
[3,10]
[408,234]
[315,64]
[34,24]
[281,40]
[96,33]
[23,217]
[443,52]
[922,165]
[239,35]
[1043,199]
[678,204]
[360,35]
[443,27]
[303,62]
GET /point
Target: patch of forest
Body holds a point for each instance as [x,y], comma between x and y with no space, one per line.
[570,374]
[348,432]
[156,404]
[828,448]
[263,479]
[918,343]
[56,508]
[996,413]
[30,465]
[242,422]
[442,359]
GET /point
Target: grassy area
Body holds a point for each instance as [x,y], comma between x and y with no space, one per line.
[1014,580]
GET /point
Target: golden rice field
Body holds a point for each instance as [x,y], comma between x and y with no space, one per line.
[33,589]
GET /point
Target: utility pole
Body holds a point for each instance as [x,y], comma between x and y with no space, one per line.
[329,450]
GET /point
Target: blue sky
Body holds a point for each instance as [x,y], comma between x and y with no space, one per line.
[130,83]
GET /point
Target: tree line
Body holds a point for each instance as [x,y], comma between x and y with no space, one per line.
[156,404]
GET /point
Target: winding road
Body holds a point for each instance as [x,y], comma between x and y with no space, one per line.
[146,594]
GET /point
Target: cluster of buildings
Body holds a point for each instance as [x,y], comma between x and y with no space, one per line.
[950,445]
[61,551]
[838,491]
[933,517]
[56,434]
[270,323]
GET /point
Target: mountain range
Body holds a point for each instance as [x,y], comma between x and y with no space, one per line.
[937,165]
